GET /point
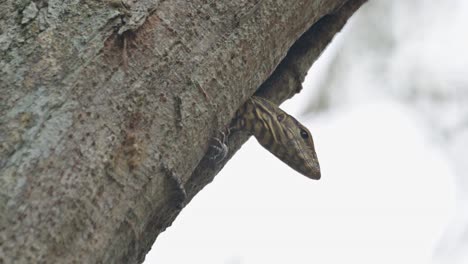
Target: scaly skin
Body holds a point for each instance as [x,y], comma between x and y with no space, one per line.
[279,133]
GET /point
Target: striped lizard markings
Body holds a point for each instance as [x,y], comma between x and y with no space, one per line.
[279,133]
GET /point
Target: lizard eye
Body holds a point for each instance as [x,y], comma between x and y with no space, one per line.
[304,134]
[280,117]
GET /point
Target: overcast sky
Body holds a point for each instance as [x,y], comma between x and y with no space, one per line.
[390,190]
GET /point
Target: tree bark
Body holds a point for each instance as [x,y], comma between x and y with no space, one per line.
[107,111]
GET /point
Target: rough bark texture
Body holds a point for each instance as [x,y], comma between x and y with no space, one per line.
[107,111]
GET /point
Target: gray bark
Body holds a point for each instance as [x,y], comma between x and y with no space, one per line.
[107,111]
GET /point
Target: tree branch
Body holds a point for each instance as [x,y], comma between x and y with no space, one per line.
[107,111]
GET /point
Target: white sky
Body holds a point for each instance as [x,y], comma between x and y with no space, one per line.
[387,192]
[384,197]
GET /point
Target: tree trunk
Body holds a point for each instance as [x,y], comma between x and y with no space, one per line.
[107,110]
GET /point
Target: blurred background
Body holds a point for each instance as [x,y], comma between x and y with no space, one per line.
[387,104]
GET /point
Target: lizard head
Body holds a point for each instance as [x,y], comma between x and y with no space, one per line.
[301,150]
[282,135]
[307,160]
[292,142]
